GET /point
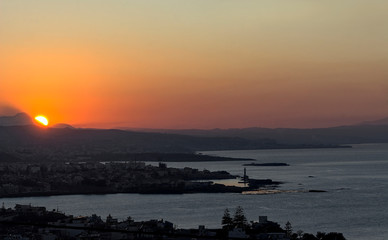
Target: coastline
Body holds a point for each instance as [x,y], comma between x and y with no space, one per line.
[51,179]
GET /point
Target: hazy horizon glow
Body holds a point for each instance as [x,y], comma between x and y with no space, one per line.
[195,64]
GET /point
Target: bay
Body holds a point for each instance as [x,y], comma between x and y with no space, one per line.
[355,202]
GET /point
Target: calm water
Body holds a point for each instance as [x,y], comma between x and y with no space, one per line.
[356,201]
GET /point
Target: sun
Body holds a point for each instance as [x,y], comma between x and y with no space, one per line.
[42,120]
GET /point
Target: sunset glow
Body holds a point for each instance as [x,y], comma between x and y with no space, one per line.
[42,120]
[196,64]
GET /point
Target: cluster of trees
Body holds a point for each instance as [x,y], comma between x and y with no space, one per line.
[238,221]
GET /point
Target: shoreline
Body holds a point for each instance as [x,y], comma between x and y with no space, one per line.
[213,188]
[172,192]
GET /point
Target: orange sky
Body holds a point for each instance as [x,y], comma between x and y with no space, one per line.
[195,64]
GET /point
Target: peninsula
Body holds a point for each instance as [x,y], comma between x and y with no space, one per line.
[43,179]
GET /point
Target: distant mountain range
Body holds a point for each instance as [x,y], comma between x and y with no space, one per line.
[16,132]
[366,132]
[35,140]
[334,135]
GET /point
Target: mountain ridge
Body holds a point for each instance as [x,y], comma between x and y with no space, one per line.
[351,134]
[188,140]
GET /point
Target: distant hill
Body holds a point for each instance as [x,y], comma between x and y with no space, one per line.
[64,137]
[62,125]
[363,133]
[19,119]
[65,141]
[383,121]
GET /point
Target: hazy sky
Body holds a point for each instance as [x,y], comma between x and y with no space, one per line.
[195,63]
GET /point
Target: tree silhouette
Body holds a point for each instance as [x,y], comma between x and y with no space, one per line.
[300,234]
[227,221]
[288,229]
[239,219]
[309,236]
[320,235]
[334,236]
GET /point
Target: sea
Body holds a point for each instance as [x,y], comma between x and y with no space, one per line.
[354,201]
